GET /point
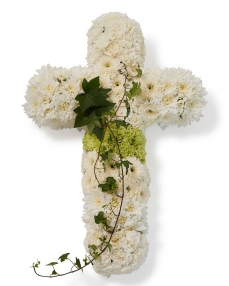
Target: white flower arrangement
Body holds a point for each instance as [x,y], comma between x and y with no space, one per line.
[115,177]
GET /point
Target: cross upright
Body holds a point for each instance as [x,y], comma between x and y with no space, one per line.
[116,189]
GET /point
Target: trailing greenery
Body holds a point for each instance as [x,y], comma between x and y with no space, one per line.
[106,134]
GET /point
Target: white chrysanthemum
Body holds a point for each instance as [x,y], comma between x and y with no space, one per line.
[126,258]
[115,35]
[107,65]
[169,97]
[50,97]
[89,182]
[95,201]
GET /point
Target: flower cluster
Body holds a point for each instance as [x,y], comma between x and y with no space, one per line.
[129,245]
[169,97]
[132,142]
[114,37]
[51,95]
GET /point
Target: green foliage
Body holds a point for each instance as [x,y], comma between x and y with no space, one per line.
[127,108]
[109,186]
[78,264]
[93,96]
[36,265]
[107,243]
[125,163]
[86,262]
[101,219]
[93,107]
[120,123]
[96,255]
[98,132]
[106,156]
[52,264]
[54,272]
[63,257]
[139,71]
[92,246]
[135,90]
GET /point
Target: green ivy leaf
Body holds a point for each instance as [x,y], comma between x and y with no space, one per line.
[91,85]
[85,261]
[98,133]
[135,89]
[108,245]
[110,185]
[78,264]
[120,123]
[101,219]
[127,108]
[106,156]
[54,272]
[139,71]
[63,257]
[36,265]
[105,109]
[93,96]
[52,264]
[96,255]
[82,118]
[92,246]
[124,163]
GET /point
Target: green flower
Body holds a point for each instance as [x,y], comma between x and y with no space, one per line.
[131,142]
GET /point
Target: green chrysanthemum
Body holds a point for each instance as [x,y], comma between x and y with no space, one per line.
[131,142]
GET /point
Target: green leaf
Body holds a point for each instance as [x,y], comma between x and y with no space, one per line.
[108,245]
[124,163]
[52,264]
[86,262]
[87,118]
[105,109]
[93,98]
[96,255]
[36,265]
[129,95]
[103,239]
[100,218]
[82,118]
[120,123]
[90,127]
[110,185]
[106,156]
[54,272]
[63,257]
[135,89]
[98,133]
[127,108]
[92,246]
[91,85]
[78,264]
[139,71]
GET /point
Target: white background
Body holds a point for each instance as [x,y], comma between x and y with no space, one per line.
[41,198]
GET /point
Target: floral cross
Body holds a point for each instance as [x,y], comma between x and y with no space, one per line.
[114,100]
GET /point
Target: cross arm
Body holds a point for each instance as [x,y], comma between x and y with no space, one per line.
[169,96]
[50,95]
